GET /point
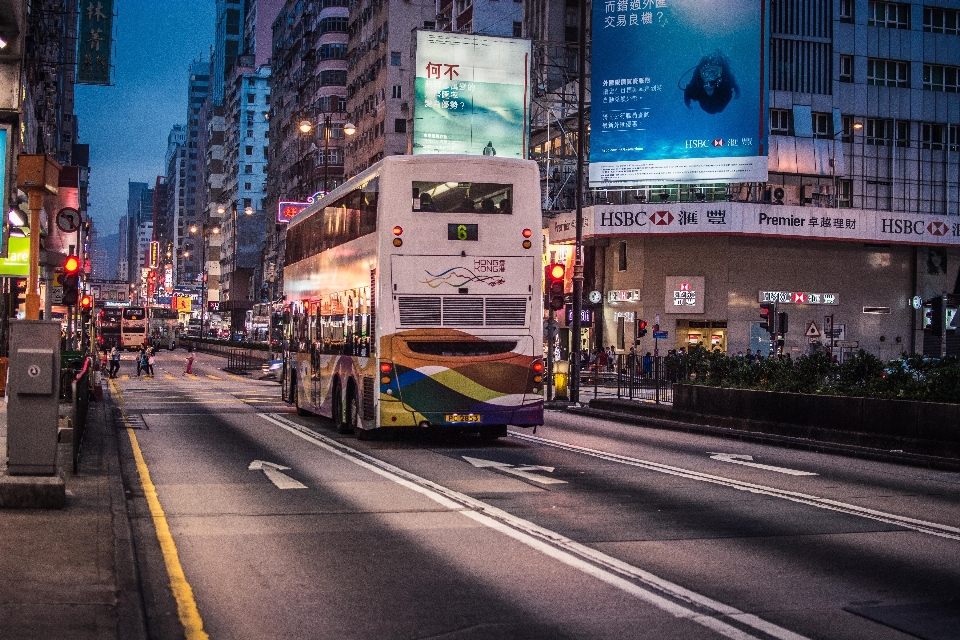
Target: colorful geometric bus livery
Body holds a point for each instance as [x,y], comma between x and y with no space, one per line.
[449,377]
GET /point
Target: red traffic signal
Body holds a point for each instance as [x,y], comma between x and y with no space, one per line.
[71,265]
[554,278]
[766,315]
[642,328]
[86,302]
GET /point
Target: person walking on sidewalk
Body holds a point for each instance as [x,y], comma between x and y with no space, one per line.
[114,362]
[142,362]
[151,359]
[189,369]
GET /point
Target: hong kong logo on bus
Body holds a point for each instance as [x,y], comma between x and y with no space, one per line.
[485,271]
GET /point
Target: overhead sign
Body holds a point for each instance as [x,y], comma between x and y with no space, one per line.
[678,92]
[757,219]
[684,294]
[799,297]
[95,48]
[472,94]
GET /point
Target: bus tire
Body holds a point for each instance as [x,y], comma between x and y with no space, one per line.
[493,431]
[295,396]
[337,409]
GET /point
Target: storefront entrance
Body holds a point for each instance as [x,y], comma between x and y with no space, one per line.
[711,334]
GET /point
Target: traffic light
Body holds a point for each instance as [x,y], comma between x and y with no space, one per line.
[20,291]
[86,307]
[554,280]
[71,280]
[782,323]
[642,328]
[766,314]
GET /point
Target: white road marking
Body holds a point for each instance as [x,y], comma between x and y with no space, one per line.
[274,471]
[921,526]
[672,598]
[740,458]
[523,472]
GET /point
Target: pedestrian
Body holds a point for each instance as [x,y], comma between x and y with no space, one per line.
[601,360]
[114,362]
[759,356]
[151,359]
[611,358]
[647,365]
[632,361]
[189,369]
[143,363]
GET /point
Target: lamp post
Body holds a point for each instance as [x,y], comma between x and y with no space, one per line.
[306,127]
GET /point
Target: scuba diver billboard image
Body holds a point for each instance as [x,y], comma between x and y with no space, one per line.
[678,92]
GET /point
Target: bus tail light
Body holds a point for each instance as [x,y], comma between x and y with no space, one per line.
[537,371]
[526,242]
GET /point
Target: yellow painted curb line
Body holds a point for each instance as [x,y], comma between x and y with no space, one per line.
[187,609]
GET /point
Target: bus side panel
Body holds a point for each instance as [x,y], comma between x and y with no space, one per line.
[499,389]
[316,375]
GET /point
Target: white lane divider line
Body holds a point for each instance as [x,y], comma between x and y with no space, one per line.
[920,526]
[667,596]
[745,460]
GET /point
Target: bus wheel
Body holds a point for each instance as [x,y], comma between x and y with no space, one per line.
[493,431]
[295,396]
[351,418]
[337,412]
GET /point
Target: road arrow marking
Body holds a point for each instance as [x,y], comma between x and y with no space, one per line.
[522,472]
[739,458]
[273,472]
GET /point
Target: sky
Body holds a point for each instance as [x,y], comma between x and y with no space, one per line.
[127,124]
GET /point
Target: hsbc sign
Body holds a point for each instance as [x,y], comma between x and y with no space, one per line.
[799,297]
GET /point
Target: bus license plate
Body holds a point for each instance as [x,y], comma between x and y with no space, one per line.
[460,417]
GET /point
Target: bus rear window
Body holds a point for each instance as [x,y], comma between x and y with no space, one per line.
[463,197]
[459,349]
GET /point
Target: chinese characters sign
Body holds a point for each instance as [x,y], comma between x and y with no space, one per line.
[684,294]
[472,94]
[678,92]
[286,210]
[758,219]
[95,49]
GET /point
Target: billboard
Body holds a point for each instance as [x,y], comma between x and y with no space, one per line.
[678,92]
[472,94]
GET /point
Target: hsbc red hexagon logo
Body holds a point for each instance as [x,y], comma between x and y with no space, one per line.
[799,298]
[937,228]
[661,218]
[718,142]
[685,286]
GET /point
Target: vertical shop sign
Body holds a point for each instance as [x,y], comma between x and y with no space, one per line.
[95,42]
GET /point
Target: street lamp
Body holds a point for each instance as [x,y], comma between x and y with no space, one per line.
[306,127]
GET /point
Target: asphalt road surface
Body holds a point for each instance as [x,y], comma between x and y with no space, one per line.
[251,522]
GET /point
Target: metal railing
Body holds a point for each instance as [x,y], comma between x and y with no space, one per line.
[630,377]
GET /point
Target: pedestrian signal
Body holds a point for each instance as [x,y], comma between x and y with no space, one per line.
[767,317]
[642,328]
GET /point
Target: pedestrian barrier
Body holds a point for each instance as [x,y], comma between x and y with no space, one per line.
[649,378]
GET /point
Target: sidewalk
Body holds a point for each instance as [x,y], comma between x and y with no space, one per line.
[70,573]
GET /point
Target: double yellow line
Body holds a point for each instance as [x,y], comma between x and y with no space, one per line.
[187,609]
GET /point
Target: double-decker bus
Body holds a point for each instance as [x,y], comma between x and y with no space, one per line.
[108,328]
[414,298]
[133,327]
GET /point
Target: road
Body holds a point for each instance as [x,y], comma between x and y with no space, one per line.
[587,529]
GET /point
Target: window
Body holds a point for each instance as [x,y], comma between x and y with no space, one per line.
[781,121]
[932,135]
[251,98]
[622,257]
[954,137]
[333,51]
[395,59]
[248,168]
[333,78]
[334,25]
[249,150]
[397,93]
[939,77]
[846,10]
[879,131]
[621,331]
[845,193]
[937,20]
[849,125]
[517,29]
[846,68]
[903,133]
[465,197]
[400,125]
[247,186]
[822,125]
[894,15]
[888,73]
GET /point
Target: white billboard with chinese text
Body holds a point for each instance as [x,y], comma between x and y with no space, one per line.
[472,94]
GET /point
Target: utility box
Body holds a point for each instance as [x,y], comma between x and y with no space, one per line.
[33,397]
